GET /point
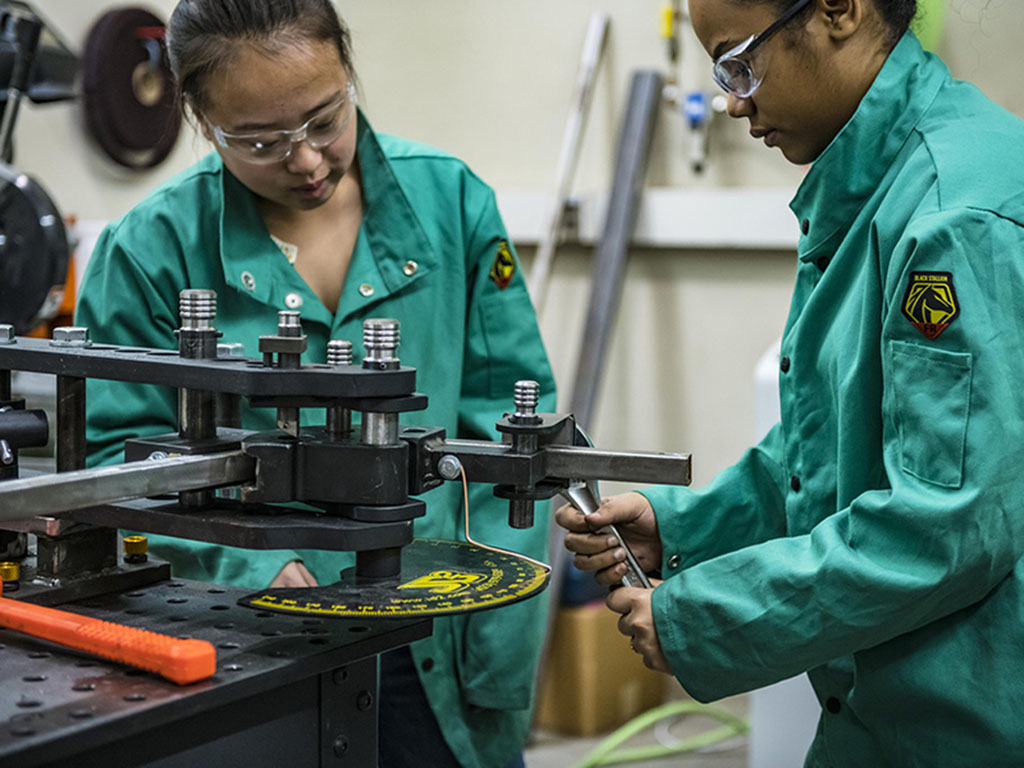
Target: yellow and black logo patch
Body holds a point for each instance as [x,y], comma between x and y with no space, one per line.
[444,582]
[504,266]
[931,304]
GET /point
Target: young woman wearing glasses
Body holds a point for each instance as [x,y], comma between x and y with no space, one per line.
[874,538]
[302,206]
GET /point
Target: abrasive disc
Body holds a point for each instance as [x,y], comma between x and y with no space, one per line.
[128,90]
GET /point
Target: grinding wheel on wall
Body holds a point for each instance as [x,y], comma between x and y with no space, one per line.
[128,89]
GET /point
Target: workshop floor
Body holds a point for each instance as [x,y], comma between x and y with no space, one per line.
[548,750]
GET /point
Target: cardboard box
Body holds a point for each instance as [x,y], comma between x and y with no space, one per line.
[593,682]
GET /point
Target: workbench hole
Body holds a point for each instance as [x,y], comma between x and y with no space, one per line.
[228,646]
[271,632]
[39,655]
[85,663]
[220,607]
[29,703]
[176,584]
[23,730]
[224,625]
[319,641]
[179,618]
[135,697]
[263,615]
[177,600]
[216,591]
[136,611]
[34,678]
[359,628]
[83,687]
[233,668]
[80,714]
[135,594]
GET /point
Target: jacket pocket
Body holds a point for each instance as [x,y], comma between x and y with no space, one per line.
[932,396]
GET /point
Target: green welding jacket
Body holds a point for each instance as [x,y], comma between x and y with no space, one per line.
[874,538]
[431,252]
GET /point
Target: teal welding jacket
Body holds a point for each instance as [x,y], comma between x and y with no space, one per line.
[425,254]
[874,538]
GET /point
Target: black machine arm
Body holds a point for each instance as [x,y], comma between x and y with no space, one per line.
[364,477]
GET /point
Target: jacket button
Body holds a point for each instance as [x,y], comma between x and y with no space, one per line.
[410,268]
[823,263]
[794,483]
[366,289]
[805,226]
[293,301]
[248,280]
[832,705]
[673,562]
[427,665]
[784,364]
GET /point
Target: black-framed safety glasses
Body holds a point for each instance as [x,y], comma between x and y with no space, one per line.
[732,70]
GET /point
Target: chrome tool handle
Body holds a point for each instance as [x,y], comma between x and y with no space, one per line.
[581,496]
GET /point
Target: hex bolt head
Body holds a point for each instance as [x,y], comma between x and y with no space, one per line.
[449,467]
[7,334]
[70,336]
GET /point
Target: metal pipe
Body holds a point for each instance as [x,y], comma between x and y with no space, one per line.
[63,492]
[380,428]
[609,265]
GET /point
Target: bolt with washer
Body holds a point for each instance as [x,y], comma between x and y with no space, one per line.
[449,467]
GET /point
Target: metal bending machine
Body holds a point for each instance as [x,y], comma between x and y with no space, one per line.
[295,675]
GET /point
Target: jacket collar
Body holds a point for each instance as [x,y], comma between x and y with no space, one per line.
[390,235]
[852,167]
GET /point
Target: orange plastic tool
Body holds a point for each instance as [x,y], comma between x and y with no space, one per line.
[181,661]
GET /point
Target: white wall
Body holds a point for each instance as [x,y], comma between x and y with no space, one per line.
[491,81]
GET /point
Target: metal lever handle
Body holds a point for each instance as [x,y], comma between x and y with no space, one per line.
[581,495]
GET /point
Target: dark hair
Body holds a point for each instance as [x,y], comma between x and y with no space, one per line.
[203,34]
[896,14]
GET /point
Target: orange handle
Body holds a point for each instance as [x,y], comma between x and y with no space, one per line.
[182,661]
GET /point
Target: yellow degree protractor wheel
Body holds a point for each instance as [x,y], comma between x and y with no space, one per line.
[438,578]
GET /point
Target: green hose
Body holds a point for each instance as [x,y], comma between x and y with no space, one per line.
[605,754]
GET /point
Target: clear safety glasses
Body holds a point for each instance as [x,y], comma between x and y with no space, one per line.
[732,70]
[266,147]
